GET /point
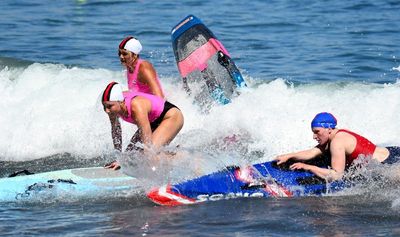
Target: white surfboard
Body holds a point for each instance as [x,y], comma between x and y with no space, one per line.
[95,182]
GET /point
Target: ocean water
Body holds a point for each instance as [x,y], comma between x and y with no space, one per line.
[297,57]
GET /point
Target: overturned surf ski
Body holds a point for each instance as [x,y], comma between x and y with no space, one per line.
[264,180]
[205,65]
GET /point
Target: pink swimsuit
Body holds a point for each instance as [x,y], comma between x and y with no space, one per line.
[157,105]
[134,84]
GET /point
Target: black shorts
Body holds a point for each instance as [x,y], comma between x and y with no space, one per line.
[157,122]
[394,155]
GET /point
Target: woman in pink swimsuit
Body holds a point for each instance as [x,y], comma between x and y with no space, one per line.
[341,146]
[140,74]
[158,121]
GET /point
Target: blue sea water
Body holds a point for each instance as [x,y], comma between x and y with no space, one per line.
[298,58]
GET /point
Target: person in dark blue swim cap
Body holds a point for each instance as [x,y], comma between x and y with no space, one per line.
[324,120]
[342,146]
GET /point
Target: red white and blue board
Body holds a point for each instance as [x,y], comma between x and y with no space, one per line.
[264,180]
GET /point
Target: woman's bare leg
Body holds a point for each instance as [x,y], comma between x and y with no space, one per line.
[168,128]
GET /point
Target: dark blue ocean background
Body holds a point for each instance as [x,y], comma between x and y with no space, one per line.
[298,58]
[298,40]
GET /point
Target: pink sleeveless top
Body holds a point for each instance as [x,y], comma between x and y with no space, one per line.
[135,85]
[157,105]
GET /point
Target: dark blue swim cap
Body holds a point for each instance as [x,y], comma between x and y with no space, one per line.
[324,120]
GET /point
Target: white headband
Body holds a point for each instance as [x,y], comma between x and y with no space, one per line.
[133,45]
[116,93]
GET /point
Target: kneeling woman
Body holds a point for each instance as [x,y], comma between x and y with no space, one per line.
[158,121]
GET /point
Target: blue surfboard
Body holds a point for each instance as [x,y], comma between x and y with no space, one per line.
[95,182]
[264,180]
[207,70]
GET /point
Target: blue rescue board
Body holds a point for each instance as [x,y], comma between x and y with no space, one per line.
[264,180]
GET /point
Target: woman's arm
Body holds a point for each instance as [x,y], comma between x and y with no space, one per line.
[116,132]
[132,144]
[148,75]
[140,109]
[328,174]
[300,155]
[338,163]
